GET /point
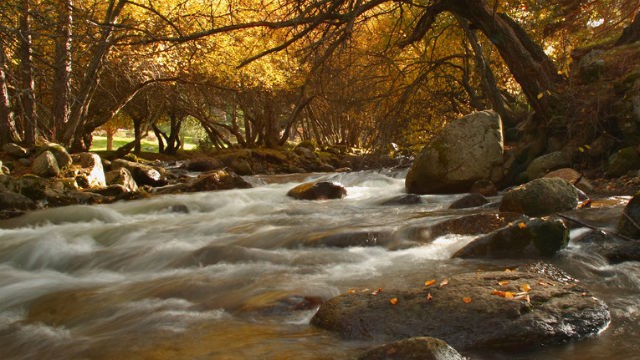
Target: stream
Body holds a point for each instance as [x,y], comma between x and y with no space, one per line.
[238,274]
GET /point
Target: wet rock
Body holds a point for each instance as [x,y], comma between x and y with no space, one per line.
[45,165]
[469,314]
[218,180]
[343,240]
[469,201]
[571,176]
[541,197]
[15,150]
[62,156]
[623,253]
[322,190]
[92,169]
[545,163]
[179,209]
[484,187]
[241,166]
[623,161]
[467,150]
[531,238]
[123,178]
[417,348]
[468,225]
[142,174]
[407,199]
[14,201]
[204,165]
[629,224]
[276,303]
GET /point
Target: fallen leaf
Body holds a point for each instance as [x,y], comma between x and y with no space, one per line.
[429,282]
[351,291]
[503,283]
[444,282]
[504,294]
[466,300]
[584,293]
[524,297]
[393,301]
[545,284]
[508,295]
[377,292]
[429,297]
[525,287]
[507,270]
[522,225]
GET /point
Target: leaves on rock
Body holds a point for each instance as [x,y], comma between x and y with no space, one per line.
[467,300]
[393,301]
[429,282]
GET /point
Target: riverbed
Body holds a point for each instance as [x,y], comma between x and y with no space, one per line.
[238,274]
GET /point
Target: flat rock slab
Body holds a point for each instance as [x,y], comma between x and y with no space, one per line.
[474,310]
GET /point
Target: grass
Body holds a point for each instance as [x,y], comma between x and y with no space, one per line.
[100,143]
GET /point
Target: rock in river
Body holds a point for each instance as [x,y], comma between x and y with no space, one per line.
[541,197]
[479,310]
[322,190]
[419,348]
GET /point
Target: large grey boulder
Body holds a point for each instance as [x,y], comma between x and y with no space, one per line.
[92,169]
[548,162]
[468,149]
[489,310]
[45,165]
[541,197]
[419,348]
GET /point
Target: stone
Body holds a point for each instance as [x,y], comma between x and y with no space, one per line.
[629,223]
[62,156]
[474,224]
[15,150]
[469,201]
[530,238]
[14,201]
[541,165]
[322,190]
[351,239]
[142,174]
[218,180]
[92,168]
[467,150]
[417,348]
[204,164]
[407,199]
[45,165]
[623,161]
[541,197]
[484,187]
[468,313]
[121,177]
[241,166]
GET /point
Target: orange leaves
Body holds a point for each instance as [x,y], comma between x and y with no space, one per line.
[522,295]
[378,291]
[429,297]
[444,282]
[467,300]
[504,294]
[429,282]
[522,225]
[393,301]
[503,283]
[525,288]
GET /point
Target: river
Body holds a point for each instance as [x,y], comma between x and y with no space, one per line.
[239,275]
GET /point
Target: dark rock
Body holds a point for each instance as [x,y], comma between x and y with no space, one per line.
[407,199]
[343,240]
[123,178]
[14,201]
[218,180]
[467,313]
[274,304]
[623,161]
[179,209]
[113,190]
[532,238]
[548,162]
[322,190]
[467,225]
[629,224]
[241,166]
[484,187]
[623,252]
[417,348]
[467,150]
[541,197]
[469,201]
[15,150]
[204,165]
[142,174]
[45,165]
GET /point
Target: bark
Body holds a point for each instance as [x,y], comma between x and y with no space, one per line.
[91,77]
[8,132]
[631,33]
[63,63]
[27,96]
[110,133]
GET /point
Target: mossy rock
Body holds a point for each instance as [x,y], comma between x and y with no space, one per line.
[623,161]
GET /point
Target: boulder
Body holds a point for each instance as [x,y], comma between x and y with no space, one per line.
[623,161]
[466,225]
[121,177]
[14,201]
[350,239]
[45,165]
[571,176]
[469,201]
[92,169]
[62,156]
[218,180]
[531,238]
[484,187]
[541,197]
[512,310]
[142,174]
[407,199]
[204,164]
[468,149]
[548,162]
[417,348]
[322,190]
[629,223]
[15,150]
[241,166]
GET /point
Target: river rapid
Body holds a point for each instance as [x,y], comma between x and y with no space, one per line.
[238,274]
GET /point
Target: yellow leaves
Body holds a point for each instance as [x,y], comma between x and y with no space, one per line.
[378,291]
[525,287]
[503,283]
[429,282]
[504,294]
[351,291]
[466,300]
[393,301]
[522,295]
[522,225]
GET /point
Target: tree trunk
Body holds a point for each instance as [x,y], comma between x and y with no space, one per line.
[631,33]
[63,62]
[8,132]
[27,97]
[110,133]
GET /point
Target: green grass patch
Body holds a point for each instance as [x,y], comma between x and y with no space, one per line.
[100,143]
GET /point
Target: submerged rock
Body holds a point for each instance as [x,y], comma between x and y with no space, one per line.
[468,225]
[541,197]
[468,149]
[492,310]
[322,190]
[469,201]
[531,238]
[418,348]
[407,199]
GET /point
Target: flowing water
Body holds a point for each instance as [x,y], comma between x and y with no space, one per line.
[241,273]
